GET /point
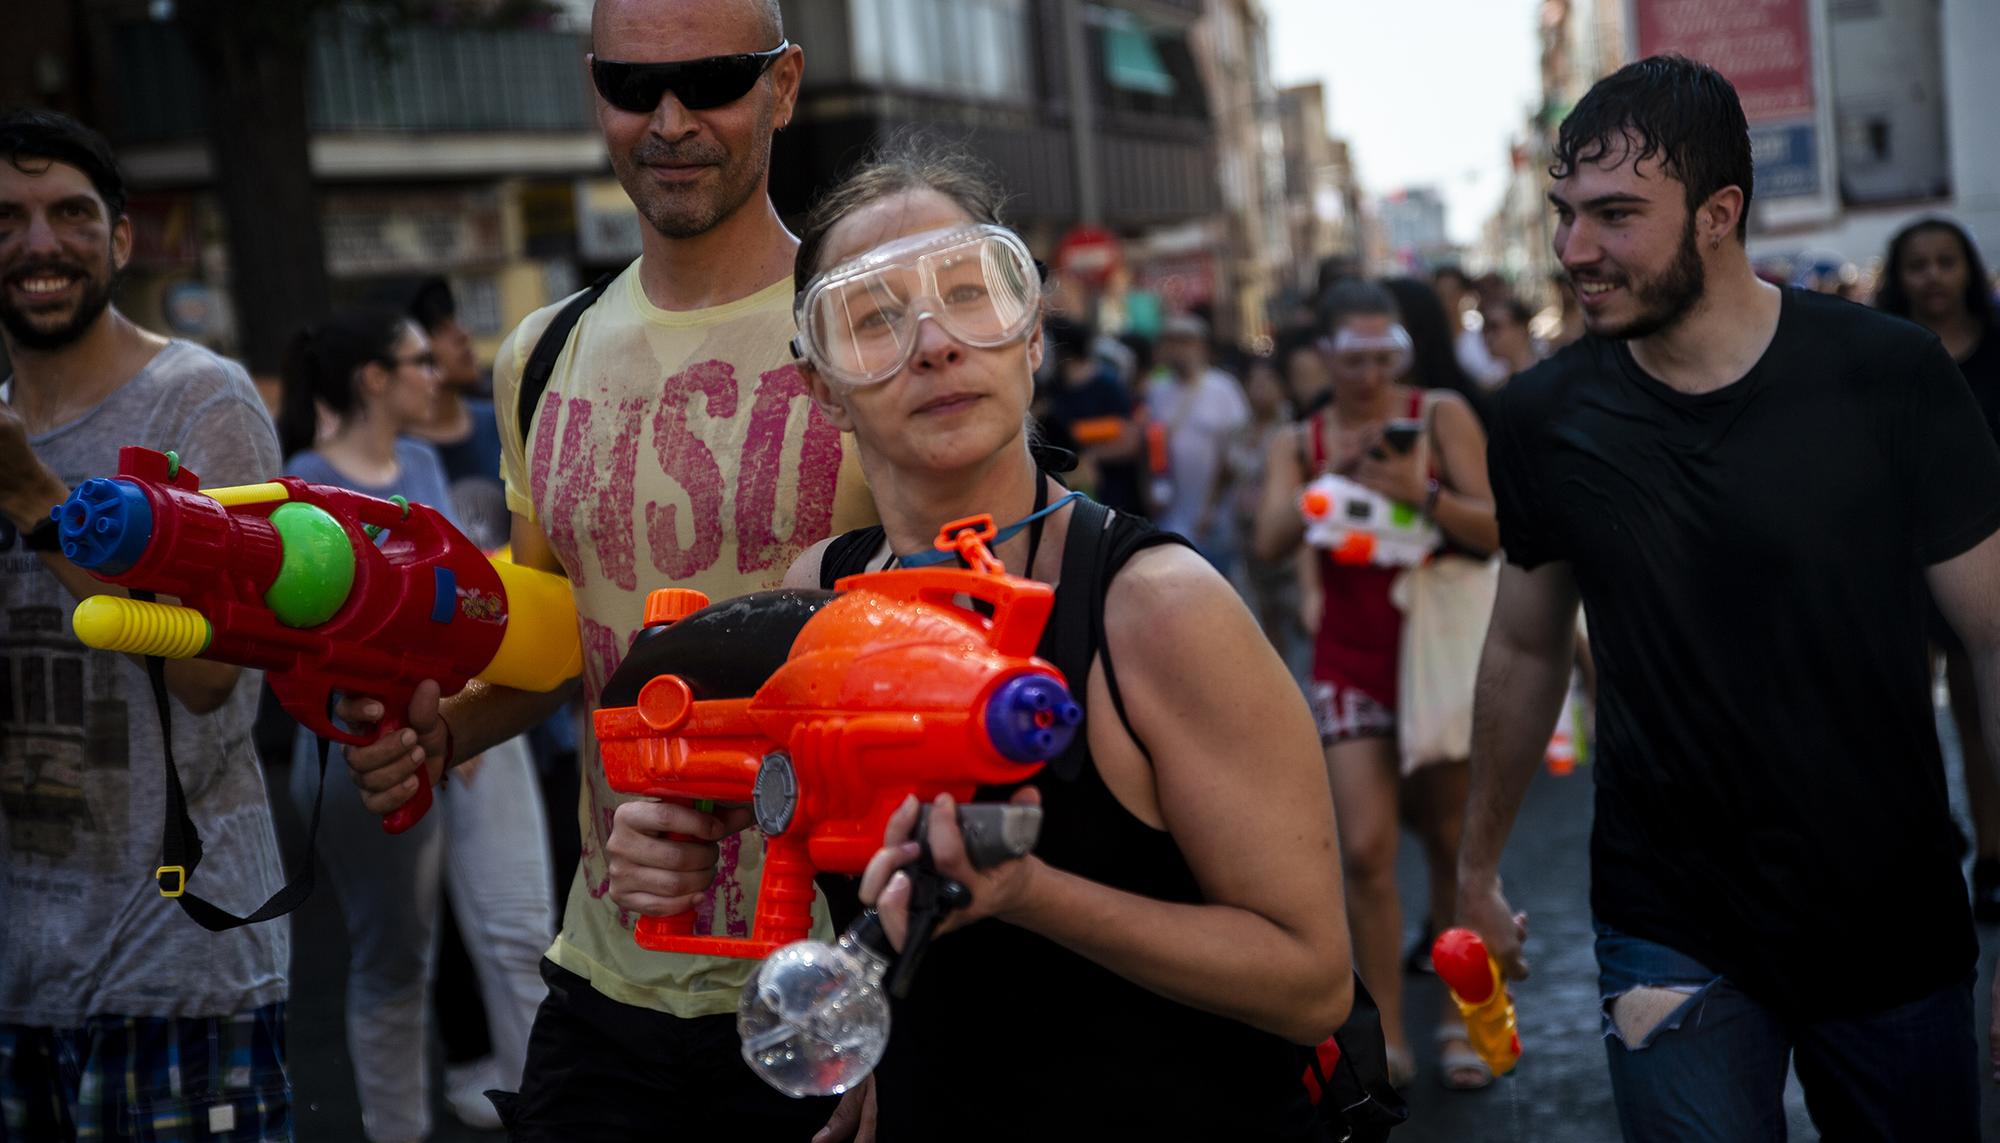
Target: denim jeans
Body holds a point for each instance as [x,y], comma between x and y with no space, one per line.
[1714,1068]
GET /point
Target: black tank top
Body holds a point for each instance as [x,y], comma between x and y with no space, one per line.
[1007,1035]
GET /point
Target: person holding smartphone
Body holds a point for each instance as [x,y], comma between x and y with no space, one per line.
[1424,449]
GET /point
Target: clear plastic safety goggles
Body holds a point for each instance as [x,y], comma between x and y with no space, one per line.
[858,321]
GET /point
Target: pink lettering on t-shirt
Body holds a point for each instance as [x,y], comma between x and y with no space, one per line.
[725,895]
[600,818]
[611,531]
[729,887]
[685,458]
[600,656]
[544,457]
[758,545]
[564,480]
[574,474]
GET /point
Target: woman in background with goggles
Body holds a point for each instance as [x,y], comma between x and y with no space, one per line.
[1426,450]
[1177,936]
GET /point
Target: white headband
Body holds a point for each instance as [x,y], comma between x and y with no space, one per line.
[1347,341]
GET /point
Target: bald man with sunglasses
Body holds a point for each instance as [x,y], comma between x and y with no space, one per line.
[675,446]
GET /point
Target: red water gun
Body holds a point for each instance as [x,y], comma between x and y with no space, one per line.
[824,711]
[324,589]
[1481,995]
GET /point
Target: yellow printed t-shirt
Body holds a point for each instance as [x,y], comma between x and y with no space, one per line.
[671,449]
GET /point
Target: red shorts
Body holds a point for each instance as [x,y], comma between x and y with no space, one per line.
[1344,713]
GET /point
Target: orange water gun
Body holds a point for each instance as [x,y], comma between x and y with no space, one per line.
[1481,995]
[824,710]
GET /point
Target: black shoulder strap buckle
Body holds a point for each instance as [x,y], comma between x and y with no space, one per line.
[180,841]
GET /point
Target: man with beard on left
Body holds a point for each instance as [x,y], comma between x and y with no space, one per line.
[120,1017]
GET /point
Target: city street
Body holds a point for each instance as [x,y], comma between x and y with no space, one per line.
[641,292]
[1558,1094]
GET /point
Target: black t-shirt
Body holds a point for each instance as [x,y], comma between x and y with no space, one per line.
[1982,372]
[1770,794]
[1103,396]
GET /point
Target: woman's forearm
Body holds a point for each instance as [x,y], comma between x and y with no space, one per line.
[1219,958]
[1467,521]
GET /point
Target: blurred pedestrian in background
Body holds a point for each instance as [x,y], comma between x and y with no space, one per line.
[1456,296]
[1503,325]
[466,435]
[461,425]
[374,371]
[1437,364]
[1933,275]
[1440,471]
[1302,367]
[1085,408]
[1269,586]
[1199,409]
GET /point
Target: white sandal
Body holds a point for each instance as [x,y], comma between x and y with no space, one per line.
[1454,1061]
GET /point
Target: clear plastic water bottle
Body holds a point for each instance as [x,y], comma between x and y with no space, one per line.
[815,1018]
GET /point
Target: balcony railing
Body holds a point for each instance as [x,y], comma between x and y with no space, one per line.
[417,79]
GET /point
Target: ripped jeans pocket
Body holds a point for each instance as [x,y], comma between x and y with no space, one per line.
[1644,988]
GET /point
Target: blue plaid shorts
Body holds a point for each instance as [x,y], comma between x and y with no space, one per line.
[216,1079]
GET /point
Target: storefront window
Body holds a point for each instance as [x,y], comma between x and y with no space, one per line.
[973,48]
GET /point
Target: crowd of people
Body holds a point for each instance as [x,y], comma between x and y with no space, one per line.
[1775,507]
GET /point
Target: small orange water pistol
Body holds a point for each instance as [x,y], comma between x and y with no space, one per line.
[1476,987]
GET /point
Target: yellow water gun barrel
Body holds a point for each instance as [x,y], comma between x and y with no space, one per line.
[1473,977]
[114,623]
[539,651]
[541,648]
[1490,1027]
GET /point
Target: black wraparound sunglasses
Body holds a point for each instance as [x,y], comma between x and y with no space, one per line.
[699,84]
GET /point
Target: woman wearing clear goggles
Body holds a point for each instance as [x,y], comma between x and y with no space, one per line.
[1182,913]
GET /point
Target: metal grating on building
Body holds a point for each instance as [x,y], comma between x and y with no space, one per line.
[362,79]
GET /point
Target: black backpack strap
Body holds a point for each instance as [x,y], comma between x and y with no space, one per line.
[1115,548]
[1098,544]
[847,554]
[542,361]
[1075,638]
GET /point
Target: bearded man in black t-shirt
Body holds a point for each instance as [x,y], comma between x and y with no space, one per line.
[1749,489]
